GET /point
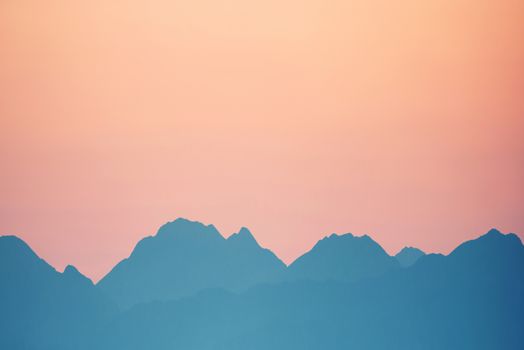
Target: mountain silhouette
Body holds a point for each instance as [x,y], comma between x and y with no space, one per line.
[343,258]
[344,293]
[185,257]
[75,277]
[437,303]
[408,256]
[42,308]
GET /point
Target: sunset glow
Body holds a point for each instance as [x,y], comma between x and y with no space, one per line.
[402,120]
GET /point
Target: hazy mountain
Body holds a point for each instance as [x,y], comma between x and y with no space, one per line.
[185,257]
[74,277]
[40,307]
[471,299]
[343,258]
[408,256]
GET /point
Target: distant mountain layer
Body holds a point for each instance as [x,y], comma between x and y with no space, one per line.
[408,256]
[188,287]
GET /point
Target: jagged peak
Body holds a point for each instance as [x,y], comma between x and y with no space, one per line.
[494,232]
[243,235]
[497,234]
[489,241]
[346,237]
[186,226]
[72,272]
[408,256]
[177,231]
[244,230]
[363,243]
[407,249]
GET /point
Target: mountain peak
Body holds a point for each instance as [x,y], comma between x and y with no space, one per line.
[72,273]
[185,257]
[494,232]
[245,231]
[496,235]
[408,256]
[409,249]
[347,238]
[492,243]
[186,227]
[70,269]
[243,235]
[343,257]
[13,248]
[334,236]
[178,233]
[13,241]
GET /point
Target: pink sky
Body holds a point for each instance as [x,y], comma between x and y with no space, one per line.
[403,120]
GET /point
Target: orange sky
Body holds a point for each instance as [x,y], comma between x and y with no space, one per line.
[403,120]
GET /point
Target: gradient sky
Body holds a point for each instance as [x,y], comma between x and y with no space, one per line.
[296,118]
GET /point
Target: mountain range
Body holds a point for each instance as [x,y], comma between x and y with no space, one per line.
[185,257]
[189,287]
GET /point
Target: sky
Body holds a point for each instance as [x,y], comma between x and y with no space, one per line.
[403,120]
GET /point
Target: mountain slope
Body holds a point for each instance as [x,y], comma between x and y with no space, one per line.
[408,256]
[471,299]
[185,257]
[40,307]
[343,258]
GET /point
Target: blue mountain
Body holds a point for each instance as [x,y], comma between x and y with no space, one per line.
[42,308]
[346,293]
[471,299]
[342,258]
[408,256]
[185,257]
